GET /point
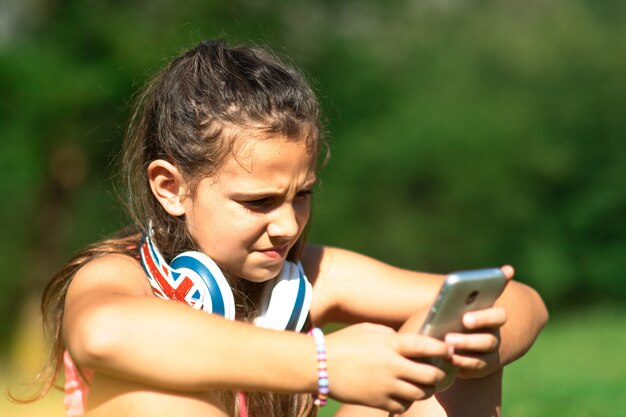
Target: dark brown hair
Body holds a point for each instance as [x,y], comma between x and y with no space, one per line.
[189,114]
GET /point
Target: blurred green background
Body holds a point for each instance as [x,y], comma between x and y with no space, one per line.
[463,134]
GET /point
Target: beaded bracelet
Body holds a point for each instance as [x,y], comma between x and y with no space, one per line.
[322,368]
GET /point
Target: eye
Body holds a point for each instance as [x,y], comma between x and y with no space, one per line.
[259,204]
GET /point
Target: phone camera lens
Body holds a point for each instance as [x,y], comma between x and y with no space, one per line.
[471,297]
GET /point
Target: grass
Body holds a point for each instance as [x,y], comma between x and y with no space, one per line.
[576,368]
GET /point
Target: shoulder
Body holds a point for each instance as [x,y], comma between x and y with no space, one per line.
[111,272]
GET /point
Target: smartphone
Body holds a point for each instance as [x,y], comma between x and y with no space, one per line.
[461,292]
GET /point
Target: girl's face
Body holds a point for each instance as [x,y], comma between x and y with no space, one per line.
[249,214]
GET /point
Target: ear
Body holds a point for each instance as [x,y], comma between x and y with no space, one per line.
[167,186]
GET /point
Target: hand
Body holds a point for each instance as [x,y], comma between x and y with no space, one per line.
[476,351]
[369,365]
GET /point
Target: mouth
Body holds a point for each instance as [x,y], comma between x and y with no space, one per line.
[276,252]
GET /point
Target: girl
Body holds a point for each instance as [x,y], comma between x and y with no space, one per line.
[221,160]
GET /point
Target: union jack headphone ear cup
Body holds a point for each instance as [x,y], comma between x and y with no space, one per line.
[212,290]
[192,278]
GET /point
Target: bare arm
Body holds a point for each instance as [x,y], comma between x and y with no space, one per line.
[352,288]
[115,326]
[355,288]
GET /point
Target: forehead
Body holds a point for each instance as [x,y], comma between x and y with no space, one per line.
[272,159]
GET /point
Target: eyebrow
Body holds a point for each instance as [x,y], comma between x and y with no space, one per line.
[309,185]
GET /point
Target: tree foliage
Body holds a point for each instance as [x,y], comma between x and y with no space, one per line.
[463,134]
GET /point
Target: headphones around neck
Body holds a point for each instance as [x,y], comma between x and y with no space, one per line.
[195,279]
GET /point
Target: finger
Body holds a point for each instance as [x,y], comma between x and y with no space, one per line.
[476,342]
[508,271]
[408,393]
[416,346]
[396,407]
[488,318]
[420,373]
[471,363]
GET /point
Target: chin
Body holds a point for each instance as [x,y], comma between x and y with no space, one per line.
[262,274]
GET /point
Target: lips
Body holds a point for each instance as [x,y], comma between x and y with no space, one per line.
[277,252]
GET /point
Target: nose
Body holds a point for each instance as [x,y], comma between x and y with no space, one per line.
[284,222]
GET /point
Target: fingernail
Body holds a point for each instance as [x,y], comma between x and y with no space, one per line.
[469,320]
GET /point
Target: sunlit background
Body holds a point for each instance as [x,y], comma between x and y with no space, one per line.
[463,133]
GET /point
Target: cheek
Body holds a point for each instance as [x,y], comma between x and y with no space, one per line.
[227,242]
[219,228]
[303,212]
[304,218]
[242,226]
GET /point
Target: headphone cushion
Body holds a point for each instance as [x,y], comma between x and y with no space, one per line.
[210,291]
[286,300]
